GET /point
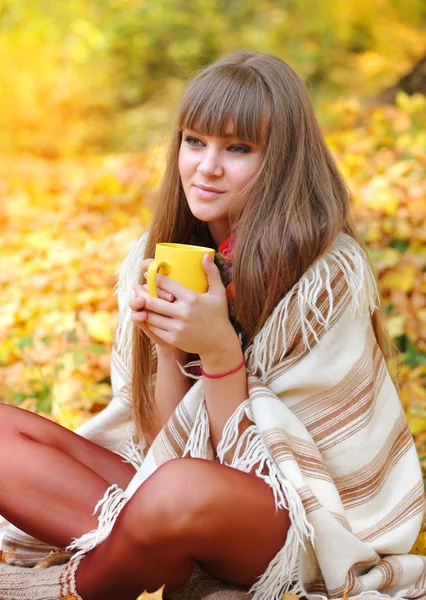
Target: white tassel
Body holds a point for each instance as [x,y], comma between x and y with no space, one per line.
[369,595]
[230,431]
[110,507]
[281,577]
[129,273]
[197,444]
[193,363]
[270,345]
[132,453]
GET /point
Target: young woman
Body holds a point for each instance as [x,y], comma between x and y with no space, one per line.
[279,459]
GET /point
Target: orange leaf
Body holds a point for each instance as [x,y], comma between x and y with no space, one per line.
[158,595]
[345,594]
[5,555]
[290,597]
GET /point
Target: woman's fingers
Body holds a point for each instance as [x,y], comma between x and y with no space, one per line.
[174,288]
[145,265]
[147,317]
[144,288]
[155,336]
[161,294]
[139,316]
[159,321]
[137,303]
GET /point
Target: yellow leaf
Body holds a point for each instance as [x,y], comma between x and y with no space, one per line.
[416,424]
[410,104]
[419,545]
[396,326]
[345,594]
[291,597]
[9,353]
[399,279]
[158,595]
[377,195]
[101,326]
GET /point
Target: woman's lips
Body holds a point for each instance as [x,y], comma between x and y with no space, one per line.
[208,194]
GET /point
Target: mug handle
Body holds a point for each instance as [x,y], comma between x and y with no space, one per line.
[153,269]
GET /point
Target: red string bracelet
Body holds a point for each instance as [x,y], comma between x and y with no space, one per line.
[219,375]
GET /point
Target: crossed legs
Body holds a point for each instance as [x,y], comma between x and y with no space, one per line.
[188,511]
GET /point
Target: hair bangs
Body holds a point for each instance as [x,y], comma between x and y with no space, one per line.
[225,101]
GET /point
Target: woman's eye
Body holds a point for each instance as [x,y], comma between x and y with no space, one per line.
[193,141]
[239,149]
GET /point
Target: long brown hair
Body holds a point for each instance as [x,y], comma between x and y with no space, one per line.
[298,197]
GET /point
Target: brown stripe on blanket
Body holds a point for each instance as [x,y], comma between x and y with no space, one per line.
[257,389]
[185,419]
[309,458]
[171,441]
[391,571]
[309,500]
[421,581]
[366,564]
[316,587]
[297,349]
[365,483]
[284,446]
[410,505]
[348,406]
[342,520]
[352,586]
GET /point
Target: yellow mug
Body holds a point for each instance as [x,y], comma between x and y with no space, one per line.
[182,263]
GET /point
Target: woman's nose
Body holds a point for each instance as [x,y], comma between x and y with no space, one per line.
[210,165]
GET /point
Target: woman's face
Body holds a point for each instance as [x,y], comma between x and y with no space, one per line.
[213,171]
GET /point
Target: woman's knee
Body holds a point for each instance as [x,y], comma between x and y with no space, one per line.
[9,419]
[172,503]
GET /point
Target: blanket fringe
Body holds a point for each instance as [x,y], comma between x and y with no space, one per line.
[281,576]
[129,272]
[132,453]
[251,453]
[197,444]
[193,363]
[109,507]
[372,595]
[270,345]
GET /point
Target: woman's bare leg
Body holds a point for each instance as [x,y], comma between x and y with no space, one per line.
[51,478]
[188,511]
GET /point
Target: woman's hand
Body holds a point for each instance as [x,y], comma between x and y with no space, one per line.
[194,323]
[139,315]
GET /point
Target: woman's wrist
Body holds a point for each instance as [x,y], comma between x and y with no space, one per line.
[171,353]
[223,358]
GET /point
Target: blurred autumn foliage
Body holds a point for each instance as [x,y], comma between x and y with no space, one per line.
[86,96]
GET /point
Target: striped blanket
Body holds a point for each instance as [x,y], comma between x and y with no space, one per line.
[327,433]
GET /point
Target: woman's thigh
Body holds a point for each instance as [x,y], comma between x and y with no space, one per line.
[108,465]
[223,518]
